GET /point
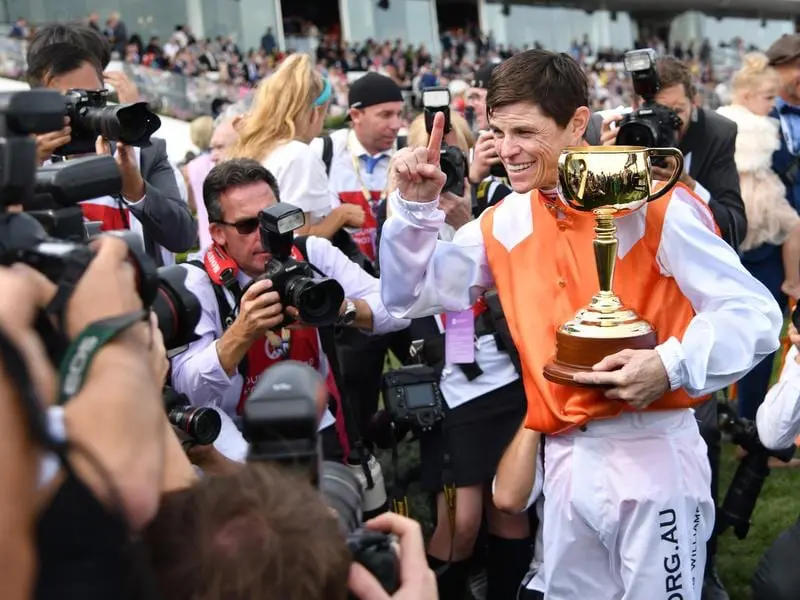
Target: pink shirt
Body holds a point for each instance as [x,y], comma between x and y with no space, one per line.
[197,170]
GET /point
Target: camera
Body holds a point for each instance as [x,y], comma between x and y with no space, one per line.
[195,425]
[412,397]
[653,125]
[750,475]
[452,160]
[280,424]
[29,237]
[90,116]
[318,300]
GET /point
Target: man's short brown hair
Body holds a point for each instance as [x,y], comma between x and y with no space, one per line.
[672,72]
[257,534]
[552,81]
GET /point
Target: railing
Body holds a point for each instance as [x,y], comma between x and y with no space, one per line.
[168,93]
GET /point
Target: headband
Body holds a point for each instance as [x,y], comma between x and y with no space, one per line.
[325,94]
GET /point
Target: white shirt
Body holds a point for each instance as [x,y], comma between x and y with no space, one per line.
[197,372]
[737,321]
[301,177]
[778,417]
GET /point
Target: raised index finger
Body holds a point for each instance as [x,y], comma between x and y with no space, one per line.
[435,141]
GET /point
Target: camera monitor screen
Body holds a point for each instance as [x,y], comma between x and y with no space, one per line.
[420,395]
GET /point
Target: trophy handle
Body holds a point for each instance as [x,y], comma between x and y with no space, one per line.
[676,175]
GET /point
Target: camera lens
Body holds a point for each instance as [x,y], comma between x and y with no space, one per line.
[201,424]
[318,301]
[637,133]
[178,310]
[343,493]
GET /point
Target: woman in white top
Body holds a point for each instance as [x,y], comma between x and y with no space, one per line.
[288,112]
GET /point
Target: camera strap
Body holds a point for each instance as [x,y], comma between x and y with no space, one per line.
[78,358]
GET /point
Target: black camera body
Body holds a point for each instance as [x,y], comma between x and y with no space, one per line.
[195,425]
[90,116]
[745,487]
[452,160]
[653,125]
[318,300]
[413,398]
[280,424]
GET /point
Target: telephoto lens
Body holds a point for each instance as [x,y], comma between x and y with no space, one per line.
[343,493]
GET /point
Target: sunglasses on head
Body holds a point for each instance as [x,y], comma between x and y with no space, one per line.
[243,227]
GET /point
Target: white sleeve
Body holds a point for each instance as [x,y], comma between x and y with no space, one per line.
[737,322]
[357,283]
[304,183]
[421,275]
[778,417]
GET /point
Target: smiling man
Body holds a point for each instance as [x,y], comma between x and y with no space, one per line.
[239,332]
[626,479]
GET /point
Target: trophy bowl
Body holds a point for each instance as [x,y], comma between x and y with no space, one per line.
[609,181]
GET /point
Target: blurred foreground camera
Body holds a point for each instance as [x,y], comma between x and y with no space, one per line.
[452,160]
[737,509]
[653,125]
[317,300]
[90,116]
[195,425]
[280,424]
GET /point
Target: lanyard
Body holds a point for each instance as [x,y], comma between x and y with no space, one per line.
[364,191]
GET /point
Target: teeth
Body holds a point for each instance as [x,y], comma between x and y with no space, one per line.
[520,167]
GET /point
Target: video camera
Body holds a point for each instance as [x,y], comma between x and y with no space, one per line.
[749,478]
[653,125]
[318,300]
[195,425]
[280,424]
[28,237]
[452,160]
[90,116]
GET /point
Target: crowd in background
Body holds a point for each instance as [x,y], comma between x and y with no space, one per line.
[189,72]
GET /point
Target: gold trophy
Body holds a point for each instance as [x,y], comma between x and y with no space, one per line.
[609,181]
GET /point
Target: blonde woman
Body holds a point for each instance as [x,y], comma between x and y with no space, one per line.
[484,409]
[288,112]
[770,217]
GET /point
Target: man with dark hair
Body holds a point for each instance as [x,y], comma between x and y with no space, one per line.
[708,141]
[256,533]
[75,34]
[626,478]
[240,333]
[67,57]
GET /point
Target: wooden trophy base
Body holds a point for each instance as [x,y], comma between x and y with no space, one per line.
[576,354]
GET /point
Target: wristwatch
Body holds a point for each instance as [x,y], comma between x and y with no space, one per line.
[348,316]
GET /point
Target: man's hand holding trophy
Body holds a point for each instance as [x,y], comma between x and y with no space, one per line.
[606,344]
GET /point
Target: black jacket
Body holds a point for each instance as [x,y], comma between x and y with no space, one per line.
[710,142]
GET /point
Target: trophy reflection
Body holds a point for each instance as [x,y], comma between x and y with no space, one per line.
[609,181]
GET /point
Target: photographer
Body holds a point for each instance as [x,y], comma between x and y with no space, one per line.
[151,201]
[707,141]
[241,332]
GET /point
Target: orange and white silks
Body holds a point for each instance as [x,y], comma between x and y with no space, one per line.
[543,265]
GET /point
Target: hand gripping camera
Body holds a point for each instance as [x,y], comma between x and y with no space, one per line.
[451,160]
[28,237]
[90,116]
[653,125]
[280,424]
[318,300]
